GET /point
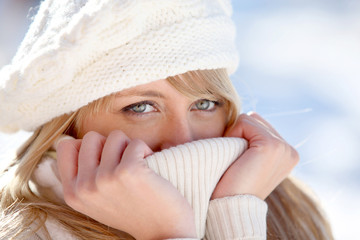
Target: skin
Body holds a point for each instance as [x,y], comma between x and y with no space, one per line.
[168,120]
[104,174]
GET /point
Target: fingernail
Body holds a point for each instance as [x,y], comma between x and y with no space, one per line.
[250,113]
[59,139]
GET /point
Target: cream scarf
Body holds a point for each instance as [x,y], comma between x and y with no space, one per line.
[193,168]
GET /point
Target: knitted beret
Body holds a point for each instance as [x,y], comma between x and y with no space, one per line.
[77,51]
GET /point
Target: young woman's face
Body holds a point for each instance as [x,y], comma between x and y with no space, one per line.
[159,115]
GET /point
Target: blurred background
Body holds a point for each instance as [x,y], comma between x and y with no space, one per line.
[300,69]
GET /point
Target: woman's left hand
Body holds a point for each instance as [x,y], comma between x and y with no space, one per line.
[263,166]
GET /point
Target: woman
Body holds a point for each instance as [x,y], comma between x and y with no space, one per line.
[124,80]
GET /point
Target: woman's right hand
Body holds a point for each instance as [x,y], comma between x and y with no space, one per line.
[107,179]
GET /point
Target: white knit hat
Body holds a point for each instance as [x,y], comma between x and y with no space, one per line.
[77,51]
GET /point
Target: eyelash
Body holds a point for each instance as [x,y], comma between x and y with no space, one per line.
[128,109]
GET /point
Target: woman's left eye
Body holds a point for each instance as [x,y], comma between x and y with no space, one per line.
[204,105]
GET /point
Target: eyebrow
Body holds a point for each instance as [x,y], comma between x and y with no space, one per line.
[146,93]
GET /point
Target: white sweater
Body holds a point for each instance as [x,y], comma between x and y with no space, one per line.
[194,169]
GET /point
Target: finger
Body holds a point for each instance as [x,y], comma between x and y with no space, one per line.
[59,139]
[237,130]
[250,129]
[265,123]
[89,156]
[113,150]
[134,154]
[67,158]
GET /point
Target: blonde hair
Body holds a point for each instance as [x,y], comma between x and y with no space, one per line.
[293,213]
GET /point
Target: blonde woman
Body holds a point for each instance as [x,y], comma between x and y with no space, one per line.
[137,132]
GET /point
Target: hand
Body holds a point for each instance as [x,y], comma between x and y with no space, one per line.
[263,166]
[108,180]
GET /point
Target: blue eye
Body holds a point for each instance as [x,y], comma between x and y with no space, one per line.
[205,104]
[141,107]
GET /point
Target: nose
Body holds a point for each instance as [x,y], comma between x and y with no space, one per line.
[176,132]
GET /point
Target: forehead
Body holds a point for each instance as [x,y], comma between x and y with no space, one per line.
[165,88]
[154,89]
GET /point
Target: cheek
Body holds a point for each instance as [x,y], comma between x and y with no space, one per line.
[104,124]
[212,128]
[149,134]
[100,124]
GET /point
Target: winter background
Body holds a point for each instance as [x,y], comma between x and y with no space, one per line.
[300,69]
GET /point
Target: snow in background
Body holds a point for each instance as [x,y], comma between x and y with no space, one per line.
[300,69]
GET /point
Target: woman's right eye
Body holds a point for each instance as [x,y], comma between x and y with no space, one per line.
[140,107]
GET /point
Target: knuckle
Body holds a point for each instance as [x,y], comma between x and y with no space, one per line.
[129,176]
[84,188]
[234,129]
[62,145]
[91,135]
[103,179]
[137,142]
[65,145]
[279,147]
[118,134]
[240,119]
[118,137]
[273,146]
[137,145]
[124,174]
[242,115]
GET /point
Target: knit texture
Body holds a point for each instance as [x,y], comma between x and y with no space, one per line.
[243,216]
[78,51]
[194,169]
